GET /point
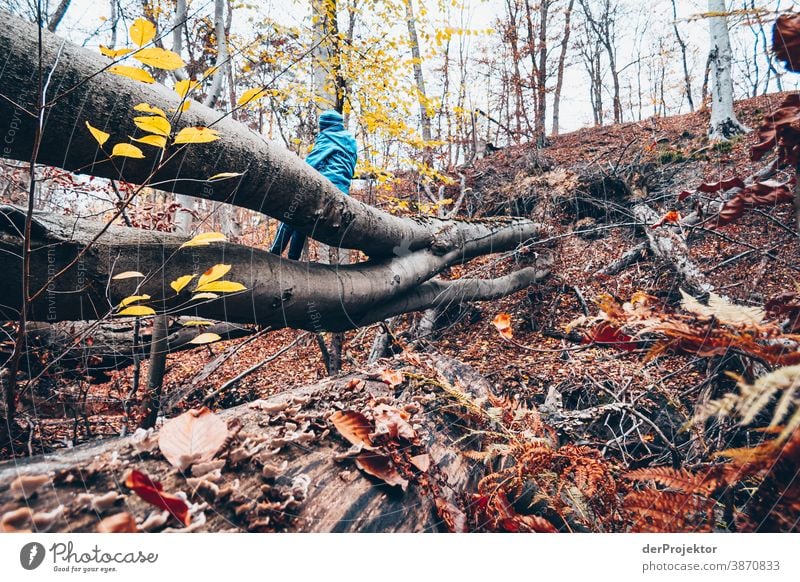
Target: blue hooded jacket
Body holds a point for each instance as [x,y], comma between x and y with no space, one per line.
[335,152]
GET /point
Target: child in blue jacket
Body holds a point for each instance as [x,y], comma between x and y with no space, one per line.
[334,155]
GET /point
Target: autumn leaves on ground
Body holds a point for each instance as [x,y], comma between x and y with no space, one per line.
[612,402]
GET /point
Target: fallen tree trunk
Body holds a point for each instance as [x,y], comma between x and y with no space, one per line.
[274,181]
[667,243]
[278,294]
[286,447]
[92,349]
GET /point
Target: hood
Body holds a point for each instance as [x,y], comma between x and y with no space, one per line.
[331,120]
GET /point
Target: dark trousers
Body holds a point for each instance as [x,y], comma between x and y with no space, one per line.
[288,236]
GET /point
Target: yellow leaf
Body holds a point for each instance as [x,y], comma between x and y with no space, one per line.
[132,73]
[185,105]
[142,31]
[153,124]
[183,88]
[204,296]
[114,53]
[225,176]
[133,299]
[152,140]
[205,338]
[196,323]
[137,311]
[204,239]
[159,58]
[147,108]
[251,95]
[127,275]
[196,135]
[222,287]
[181,282]
[126,150]
[99,135]
[212,274]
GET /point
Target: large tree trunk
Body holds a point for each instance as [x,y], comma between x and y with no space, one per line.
[279,293]
[286,444]
[723,119]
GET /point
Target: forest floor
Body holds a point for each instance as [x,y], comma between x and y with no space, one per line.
[658,158]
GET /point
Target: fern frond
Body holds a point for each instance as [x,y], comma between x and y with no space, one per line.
[678,479]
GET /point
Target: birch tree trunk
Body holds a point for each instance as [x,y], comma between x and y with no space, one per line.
[724,124]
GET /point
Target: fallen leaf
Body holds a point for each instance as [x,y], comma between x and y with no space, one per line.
[152,492]
[394,422]
[225,176]
[353,426]
[502,321]
[392,377]
[193,437]
[27,485]
[205,296]
[381,467]
[421,462]
[118,523]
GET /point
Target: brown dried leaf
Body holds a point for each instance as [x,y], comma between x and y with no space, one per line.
[394,422]
[392,377]
[786,40]
[381,467]
[421,462]
[353,426]
[118,523]
[193,437]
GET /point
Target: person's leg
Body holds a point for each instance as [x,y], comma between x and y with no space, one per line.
[296,245]
[281,239]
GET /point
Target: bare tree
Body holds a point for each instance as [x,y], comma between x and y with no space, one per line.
[687,79]
[723,119]
[561,65]
[604,27]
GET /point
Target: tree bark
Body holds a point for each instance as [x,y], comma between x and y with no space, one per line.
[268,458]
[724,124]
[561,62]
[96,348]
[279,293]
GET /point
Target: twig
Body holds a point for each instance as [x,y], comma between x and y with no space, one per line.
[252,369]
